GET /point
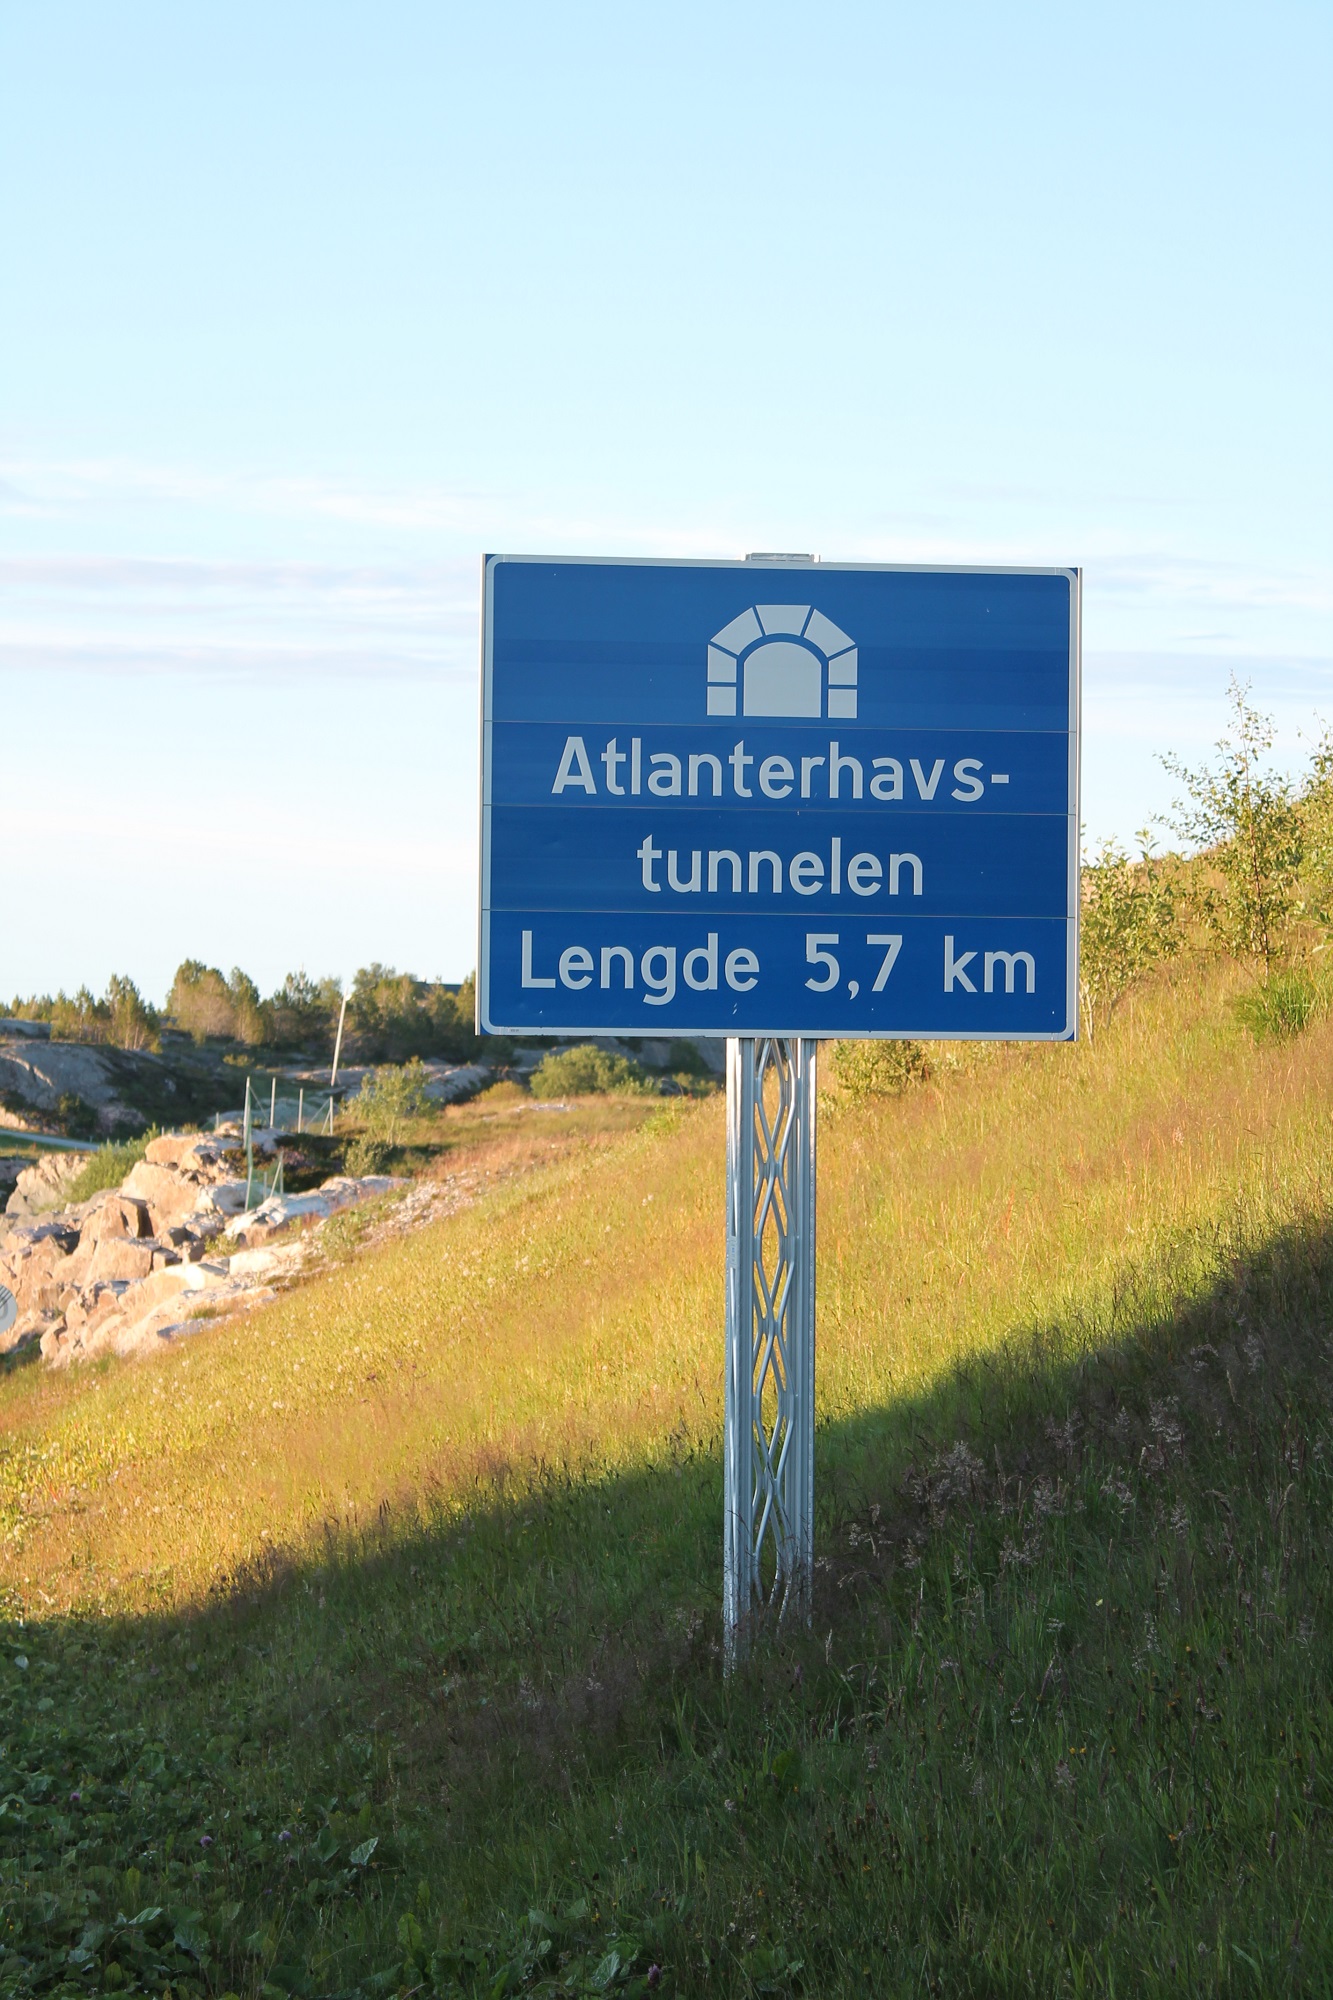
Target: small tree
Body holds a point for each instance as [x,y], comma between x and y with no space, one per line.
[250,1022]
[1129,921]
[1245,818]
[389,1097]
[1316,816]
[200,1003]
[133,1023]
[81,1019]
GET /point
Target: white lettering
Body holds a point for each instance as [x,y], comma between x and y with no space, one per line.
[775,776]
[666,782]
[715,767]
[661,985]
[864,874]
[574,767]
[775,863]
[707,983]
[695,883]
[808,764]
[895,944]
[817,954]
[738,761]
[806,874]
[742,970]
[965,770]
[715,859]
[1010,960]
[926,785]
[897,862]
[648,854]
[635,764]
[887,782]
[626,957]
[954,968]
[529,977]
[573,961]
[835,865]
[837,765]
[613,757]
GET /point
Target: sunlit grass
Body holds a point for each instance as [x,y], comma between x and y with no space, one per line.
[573,1321]
[427,1554]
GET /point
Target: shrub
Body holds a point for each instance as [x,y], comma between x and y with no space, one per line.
[1246,819]
[366,1155]
[499,1096]
[879,1069]
[74,1116]
[585,1071]
[1280,1008]
[1129,922]
[1316,814]
[108,1168]
[388,1098]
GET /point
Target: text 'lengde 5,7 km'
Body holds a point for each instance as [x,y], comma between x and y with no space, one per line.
[809,798]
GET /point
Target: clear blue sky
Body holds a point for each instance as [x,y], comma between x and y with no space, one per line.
[303,306]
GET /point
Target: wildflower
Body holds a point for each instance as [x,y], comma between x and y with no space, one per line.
[205,1840]
[285,1834]
[654,1975]
[76,1798]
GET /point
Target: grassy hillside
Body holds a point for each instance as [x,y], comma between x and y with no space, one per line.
[372,1646]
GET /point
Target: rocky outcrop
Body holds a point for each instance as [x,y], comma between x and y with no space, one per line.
[136,1265]
[40,1188]
[38,1075]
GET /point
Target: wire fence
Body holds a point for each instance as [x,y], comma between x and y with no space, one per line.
[309,1111]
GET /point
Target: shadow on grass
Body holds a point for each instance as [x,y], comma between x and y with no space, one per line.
[343,1767]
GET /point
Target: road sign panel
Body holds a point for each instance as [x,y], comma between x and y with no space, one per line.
[799,800]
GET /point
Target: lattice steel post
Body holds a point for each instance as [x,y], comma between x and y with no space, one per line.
[768,1542]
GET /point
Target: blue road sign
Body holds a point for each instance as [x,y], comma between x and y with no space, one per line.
[808,798]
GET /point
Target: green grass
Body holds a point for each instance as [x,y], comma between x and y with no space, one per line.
[1279,1007]
[108,1167]
[427,1556]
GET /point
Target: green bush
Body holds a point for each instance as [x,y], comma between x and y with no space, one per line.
[366,1155]
[388,1098]
[879,1069]
[1280,1008]
[586,1071]
[1130,920]
[1247,820]
[108,1168]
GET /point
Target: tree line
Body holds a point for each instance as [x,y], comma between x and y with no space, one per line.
[391,1015]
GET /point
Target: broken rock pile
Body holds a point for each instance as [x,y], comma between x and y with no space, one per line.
[133,1266]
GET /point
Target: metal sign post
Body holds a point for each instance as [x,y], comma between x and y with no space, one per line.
[769,1448]
[775,802]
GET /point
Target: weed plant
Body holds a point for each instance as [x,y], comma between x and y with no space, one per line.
[1280,1007]
[372,1646]
[108,1167]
